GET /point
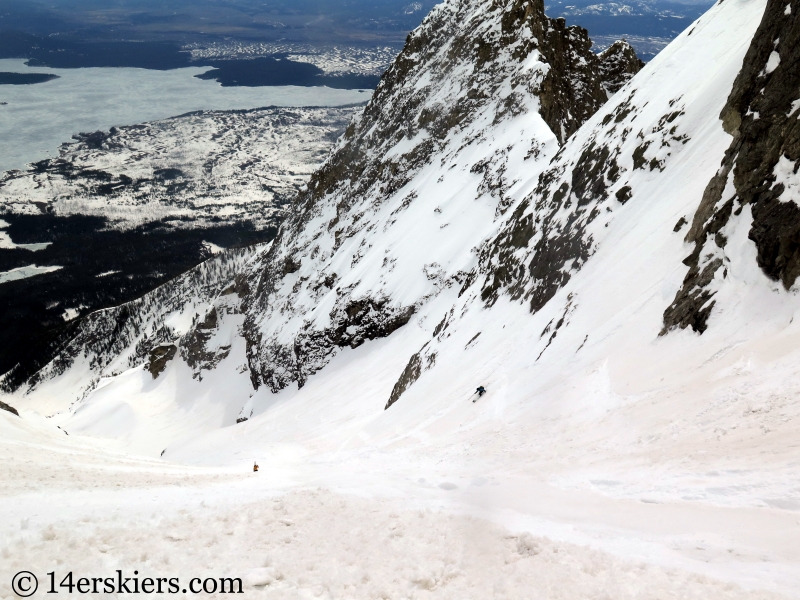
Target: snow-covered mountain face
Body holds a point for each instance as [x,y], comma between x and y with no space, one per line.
[757,188]
[637,400]
[468,114]
[480,85]
[451,241]
[119,213]
[150,329]
[614,162]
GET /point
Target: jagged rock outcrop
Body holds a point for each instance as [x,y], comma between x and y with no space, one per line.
[197,347]
[149,331]
[160,356]
[759,172]
[548,238]
[618,64]
[612,166]
[470,70]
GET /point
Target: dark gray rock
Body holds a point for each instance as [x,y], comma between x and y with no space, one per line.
[159,359]
[195,348]
[763,121]
[618,64]
[409,376]
[6,407]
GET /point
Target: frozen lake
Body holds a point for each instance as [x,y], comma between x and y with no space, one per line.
[38,118]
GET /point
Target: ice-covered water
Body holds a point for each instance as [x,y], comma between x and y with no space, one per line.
[37,118]
[25,272]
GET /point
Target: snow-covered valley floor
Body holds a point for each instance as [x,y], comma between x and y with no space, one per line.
[369,524]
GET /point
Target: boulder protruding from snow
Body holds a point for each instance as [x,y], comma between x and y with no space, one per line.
[6,407]
[159,359]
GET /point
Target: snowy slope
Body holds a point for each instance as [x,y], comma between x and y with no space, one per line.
[147,332]
[530,72]
[405,279]
[459,128]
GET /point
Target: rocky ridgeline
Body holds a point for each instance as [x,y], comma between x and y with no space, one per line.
[552,233]
[493,88]
[618,65]
[472,67]
[154,328]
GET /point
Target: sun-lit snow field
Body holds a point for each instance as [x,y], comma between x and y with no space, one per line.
[605,462]
[311,529]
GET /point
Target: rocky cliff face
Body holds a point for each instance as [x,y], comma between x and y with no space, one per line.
[758,178]
[556,229]
[618,64]
[179,316]
[475,71]
[461,125]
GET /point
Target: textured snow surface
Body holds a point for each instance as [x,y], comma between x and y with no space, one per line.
[118,512]
[597,436]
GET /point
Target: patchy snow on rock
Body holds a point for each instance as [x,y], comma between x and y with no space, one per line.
[71,313]
[773,62]
[787,176]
